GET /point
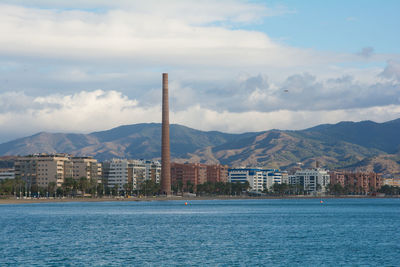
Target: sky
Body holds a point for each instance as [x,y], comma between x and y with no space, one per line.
[234,66]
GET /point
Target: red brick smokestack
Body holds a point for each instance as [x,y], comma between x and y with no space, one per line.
[165,153]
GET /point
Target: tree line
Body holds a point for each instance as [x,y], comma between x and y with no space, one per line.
[70,187]
[87,187]
[91,188]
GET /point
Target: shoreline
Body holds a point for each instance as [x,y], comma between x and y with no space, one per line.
[11,201]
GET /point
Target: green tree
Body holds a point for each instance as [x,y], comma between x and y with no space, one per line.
[189,187]
[389,190]
[83,184]
[177,187]
[336,189]
[100,190]
[69,186]
[238,188]
[280,189]
[149,188]
[115,190]
[18,185]
[7,187]
[51,188]
[59,192]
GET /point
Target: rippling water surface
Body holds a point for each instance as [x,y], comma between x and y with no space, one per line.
[356,232]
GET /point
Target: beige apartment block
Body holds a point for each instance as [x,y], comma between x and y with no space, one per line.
[42,169]
[87,167]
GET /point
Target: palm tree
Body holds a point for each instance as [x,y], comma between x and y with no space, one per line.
[51,187]
[83,185]
[69,186]
[189,186]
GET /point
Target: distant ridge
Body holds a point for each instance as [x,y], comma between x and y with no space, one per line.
[363,145]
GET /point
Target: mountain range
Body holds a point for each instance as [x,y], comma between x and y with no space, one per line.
[364,146]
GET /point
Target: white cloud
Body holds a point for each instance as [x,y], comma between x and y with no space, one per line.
[85,112]
[80,112]
[192,11]
[297,92]
[223,76]
[392,70]
[206,119]
[147,38]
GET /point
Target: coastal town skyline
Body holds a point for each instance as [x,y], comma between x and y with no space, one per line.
[241,61]
[199,132]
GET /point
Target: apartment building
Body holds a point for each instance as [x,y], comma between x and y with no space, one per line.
[7,173]
[42,169]
[217,173]
[393,181]
[189,173]
[337,177]
[115,173]
[312,180]
[153,170]
[357,182]
[87,167]
[258,178]
[121,172]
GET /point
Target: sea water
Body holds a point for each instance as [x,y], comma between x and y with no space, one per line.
[270,232]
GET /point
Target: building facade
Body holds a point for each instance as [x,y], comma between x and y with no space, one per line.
[357,182]
[311,180]
[43,169]
[337,177]
[217,173]
[153,170]
[115,173]
[7,173]
[391,181]
[259,179]
[123,173]
[189,174]
[87,167]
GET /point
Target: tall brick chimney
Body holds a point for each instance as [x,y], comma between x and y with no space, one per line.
[165,149]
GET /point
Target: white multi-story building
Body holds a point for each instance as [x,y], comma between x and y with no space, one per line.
[120,172]
[153,170]
[116,173]
[312,180]
[274,177]
[259,179]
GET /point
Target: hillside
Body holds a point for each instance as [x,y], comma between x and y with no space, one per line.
[129,141]
[356,145]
